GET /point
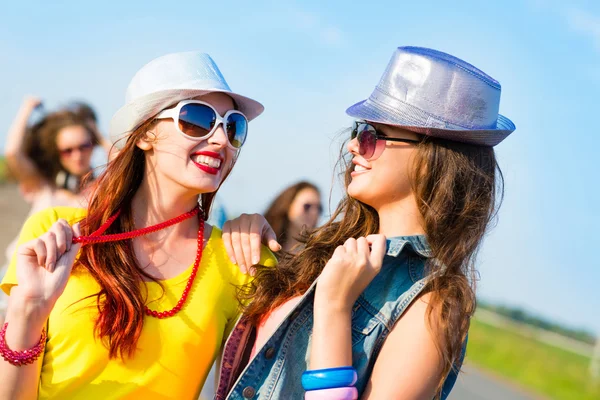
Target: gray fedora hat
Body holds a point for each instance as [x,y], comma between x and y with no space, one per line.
[167,80]
[436,94]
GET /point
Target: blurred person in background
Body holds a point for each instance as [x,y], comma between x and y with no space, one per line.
[377,304]
[49,159]
[294,211]
[85,112]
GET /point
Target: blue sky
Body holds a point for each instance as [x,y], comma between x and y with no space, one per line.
[308,61]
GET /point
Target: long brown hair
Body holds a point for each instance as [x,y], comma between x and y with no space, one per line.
[455,186]
[277,212]
[40,142]
[113,265]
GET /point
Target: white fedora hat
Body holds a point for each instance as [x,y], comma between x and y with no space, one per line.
[167,80]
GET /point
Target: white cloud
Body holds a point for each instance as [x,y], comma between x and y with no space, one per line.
[317,27]
[584,23]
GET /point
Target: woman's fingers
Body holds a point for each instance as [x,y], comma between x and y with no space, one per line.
[60,233]
[67,259]
[246,250]
[362,247]
[350,246]
[49,239]
[68,232]
[39,249]
[236,244]
[226,236]
[378,249]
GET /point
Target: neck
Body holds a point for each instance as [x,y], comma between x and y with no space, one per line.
[400,218]
[152,206]
[291,234]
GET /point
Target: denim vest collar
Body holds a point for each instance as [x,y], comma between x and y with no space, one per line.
[418,243]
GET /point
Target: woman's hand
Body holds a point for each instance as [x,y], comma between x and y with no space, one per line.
[243,236]
[30,103]
[44,266]
[349,271]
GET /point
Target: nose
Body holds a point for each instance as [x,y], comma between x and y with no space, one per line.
[219,138]
[353,146]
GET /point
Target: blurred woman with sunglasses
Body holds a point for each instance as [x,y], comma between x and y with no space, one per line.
[356,315]
[48,160]
[294,211]
[132,297]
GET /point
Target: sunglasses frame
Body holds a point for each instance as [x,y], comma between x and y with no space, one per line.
[378,136]
[175,111]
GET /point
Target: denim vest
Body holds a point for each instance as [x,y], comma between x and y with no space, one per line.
[275,372]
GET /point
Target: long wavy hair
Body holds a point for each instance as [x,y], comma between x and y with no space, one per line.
[113,265]
[456,187]
[40,142]
[277,212]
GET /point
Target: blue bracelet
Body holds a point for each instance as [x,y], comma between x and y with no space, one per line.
[329,378]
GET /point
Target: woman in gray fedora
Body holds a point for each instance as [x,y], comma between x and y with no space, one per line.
[378,303]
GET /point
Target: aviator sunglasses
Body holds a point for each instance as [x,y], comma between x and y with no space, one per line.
[371,142]
[197,120]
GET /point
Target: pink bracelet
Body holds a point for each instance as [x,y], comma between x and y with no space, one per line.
[343,393]
[24,357]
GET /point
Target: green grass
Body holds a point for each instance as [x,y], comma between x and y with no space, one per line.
[549,371]
[3,170]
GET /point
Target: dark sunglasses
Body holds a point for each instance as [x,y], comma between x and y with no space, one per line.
[197,120]
[309,206]
[83,148]
[371,142]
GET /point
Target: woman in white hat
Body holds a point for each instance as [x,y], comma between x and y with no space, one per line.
[377,305]
[134,300]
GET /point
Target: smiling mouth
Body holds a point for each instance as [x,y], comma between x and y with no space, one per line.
[208,162]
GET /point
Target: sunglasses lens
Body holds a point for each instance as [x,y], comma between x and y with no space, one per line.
[308,207]
[367,141]
[237,129]
[196,120]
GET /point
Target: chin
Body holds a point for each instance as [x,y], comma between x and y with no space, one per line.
[204,187]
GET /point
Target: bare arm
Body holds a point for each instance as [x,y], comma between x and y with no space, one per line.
[409,365]
[346,275]
[25,323]
[43,269]
[20,165]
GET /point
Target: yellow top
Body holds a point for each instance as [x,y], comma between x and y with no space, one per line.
[174,354]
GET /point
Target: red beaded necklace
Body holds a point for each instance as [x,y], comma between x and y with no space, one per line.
[96,237]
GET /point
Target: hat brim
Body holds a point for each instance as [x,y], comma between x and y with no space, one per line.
[132,115]
[370,111]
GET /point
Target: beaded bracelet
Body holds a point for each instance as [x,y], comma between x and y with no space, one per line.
[343,393]
[24,357]
[328,378]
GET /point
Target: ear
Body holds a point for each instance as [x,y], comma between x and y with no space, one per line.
[145,143]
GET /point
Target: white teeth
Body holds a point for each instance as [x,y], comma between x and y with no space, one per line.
[208,161]
[359,168]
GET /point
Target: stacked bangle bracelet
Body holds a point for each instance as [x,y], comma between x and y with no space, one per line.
[330,383]
[24,357]
[343,393]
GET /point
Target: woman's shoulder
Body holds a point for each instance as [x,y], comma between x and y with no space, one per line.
[39,222]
